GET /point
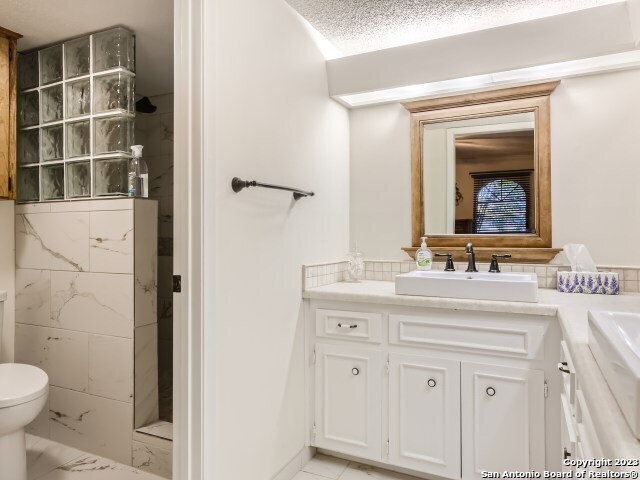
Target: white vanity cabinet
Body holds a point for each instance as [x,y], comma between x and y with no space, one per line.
[348,399]
[424,414]
[435,391]
[502,412]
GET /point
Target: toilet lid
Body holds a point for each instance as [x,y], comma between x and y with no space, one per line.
[21,383]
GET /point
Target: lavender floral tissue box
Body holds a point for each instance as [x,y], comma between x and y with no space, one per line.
[605,283]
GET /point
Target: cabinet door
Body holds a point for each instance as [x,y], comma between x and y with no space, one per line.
[348,400]
[5,118]
[502,419]
[424,414]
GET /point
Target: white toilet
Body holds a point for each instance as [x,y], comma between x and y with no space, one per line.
[23,394]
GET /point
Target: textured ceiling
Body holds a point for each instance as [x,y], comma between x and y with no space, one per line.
[358,26]
[43,22]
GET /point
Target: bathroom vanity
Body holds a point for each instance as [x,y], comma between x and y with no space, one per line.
[454,387]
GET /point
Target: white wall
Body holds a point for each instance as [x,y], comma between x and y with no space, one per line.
[380,181]
[7,277]
[267,117]
[595,169]
[595,157]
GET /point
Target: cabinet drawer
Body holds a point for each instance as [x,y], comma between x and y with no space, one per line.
[515,339]
[359,326]
[587,436]
[568,430]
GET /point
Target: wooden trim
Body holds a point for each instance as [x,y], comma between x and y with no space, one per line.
[5,117]
[483,254]
[543,170]
[13,118]
[4,32]
[532,98]
[417,194]
[484,96]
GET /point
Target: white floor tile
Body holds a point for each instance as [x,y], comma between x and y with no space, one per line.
[43,456]
[49,460]
[308,476]
[358,471]
[91,467]
[31,440]
[325,466]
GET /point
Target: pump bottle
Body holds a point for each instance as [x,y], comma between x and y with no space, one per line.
[424,256]
[138,174]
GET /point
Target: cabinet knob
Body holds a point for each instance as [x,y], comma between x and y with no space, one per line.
[431,382]
[491,391]
[355,371]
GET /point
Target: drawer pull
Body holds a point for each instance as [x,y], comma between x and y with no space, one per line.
[431,382]
[562,367]
[355,371]
[491,391]
[347,325]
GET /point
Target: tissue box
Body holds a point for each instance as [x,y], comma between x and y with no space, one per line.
[604,283]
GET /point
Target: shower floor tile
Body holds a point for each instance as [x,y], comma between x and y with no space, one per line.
[160,429]
[48,460]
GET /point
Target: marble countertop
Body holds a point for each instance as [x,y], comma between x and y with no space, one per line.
[378,292]
[615,436]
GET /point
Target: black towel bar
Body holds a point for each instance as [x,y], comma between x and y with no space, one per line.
[237,184]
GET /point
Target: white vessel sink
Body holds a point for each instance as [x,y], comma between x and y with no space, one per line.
[515,287]
[614,339]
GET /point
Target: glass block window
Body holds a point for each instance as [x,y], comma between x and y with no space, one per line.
[76,117]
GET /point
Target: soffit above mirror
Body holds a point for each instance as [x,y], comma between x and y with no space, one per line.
[357,26]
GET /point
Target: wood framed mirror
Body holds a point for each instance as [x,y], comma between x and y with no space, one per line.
[481,173]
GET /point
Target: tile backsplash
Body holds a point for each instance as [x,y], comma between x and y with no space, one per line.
[325,274]
[320,274]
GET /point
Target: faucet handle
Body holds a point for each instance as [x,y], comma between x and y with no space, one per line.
[449,266]
[494,267]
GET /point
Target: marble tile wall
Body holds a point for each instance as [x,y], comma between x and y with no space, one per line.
[325,274]
[86,313]
[155,132]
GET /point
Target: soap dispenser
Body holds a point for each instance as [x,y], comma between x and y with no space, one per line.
[423,256]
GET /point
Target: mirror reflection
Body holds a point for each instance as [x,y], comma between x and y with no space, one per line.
[482,170]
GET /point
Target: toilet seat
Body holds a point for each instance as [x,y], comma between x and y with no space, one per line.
[20,383]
